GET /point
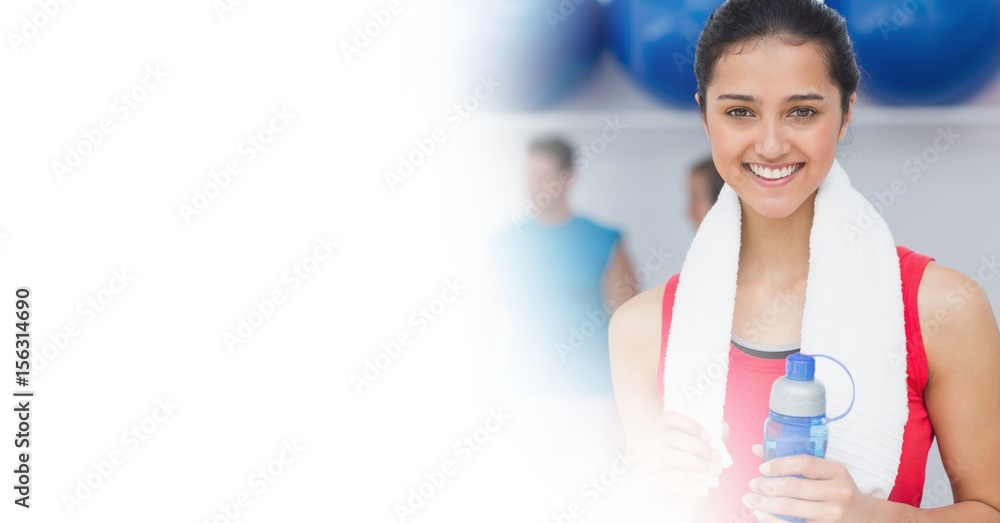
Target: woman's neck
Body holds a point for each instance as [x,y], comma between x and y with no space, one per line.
[775,252]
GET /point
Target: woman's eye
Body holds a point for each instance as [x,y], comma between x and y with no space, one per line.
[738,112]
[803,112]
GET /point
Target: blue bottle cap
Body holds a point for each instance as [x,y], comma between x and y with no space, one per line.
[800,367]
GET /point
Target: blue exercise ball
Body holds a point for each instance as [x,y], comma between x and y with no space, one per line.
[655,41]
[541,51]
[924,52]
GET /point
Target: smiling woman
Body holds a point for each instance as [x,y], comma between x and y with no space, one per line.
[777,84]
[775,97]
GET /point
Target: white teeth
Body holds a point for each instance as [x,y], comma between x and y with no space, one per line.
[773,174]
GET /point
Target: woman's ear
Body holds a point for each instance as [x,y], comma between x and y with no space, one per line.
[847,116]
[701,111]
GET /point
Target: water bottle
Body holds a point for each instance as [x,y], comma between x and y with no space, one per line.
[797,423]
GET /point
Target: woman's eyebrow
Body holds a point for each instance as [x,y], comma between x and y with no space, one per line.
[754,99]
[740,97]
[805,97]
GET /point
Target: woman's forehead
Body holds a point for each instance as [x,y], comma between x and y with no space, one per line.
[771,70]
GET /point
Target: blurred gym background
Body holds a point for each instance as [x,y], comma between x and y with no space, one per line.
[615,80]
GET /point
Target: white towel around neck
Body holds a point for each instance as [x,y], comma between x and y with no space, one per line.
[853,312]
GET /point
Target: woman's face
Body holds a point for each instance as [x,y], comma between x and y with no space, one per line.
[773,118]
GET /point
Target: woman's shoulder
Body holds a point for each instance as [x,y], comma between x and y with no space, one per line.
[946,296]
[956,319]
[635,326]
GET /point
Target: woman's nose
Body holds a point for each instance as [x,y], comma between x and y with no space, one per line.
[772,142]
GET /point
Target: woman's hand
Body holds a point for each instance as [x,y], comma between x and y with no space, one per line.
[826,494]
[678,453]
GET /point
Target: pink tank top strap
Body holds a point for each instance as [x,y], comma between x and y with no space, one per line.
[667,314]
[912,267]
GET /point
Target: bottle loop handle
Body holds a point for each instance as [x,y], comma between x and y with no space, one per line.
[853,387]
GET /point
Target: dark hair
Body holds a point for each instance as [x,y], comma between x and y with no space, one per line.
[793,21]
[555,147]
[707,169]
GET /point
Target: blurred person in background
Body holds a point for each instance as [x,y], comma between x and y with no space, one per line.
[561,276]
[704,185]
[557,277]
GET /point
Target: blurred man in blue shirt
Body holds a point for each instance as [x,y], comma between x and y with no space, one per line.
[561,276]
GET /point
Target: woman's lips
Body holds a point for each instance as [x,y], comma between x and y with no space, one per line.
[773,175]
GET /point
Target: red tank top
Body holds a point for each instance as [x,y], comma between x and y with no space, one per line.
[749,387]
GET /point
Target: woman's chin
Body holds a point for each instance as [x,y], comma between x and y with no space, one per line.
[774,210]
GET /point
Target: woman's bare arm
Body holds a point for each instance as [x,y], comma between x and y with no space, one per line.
[634,336]
[962,342]
[668,446]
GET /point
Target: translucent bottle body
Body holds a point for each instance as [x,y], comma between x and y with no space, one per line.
[792,435]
